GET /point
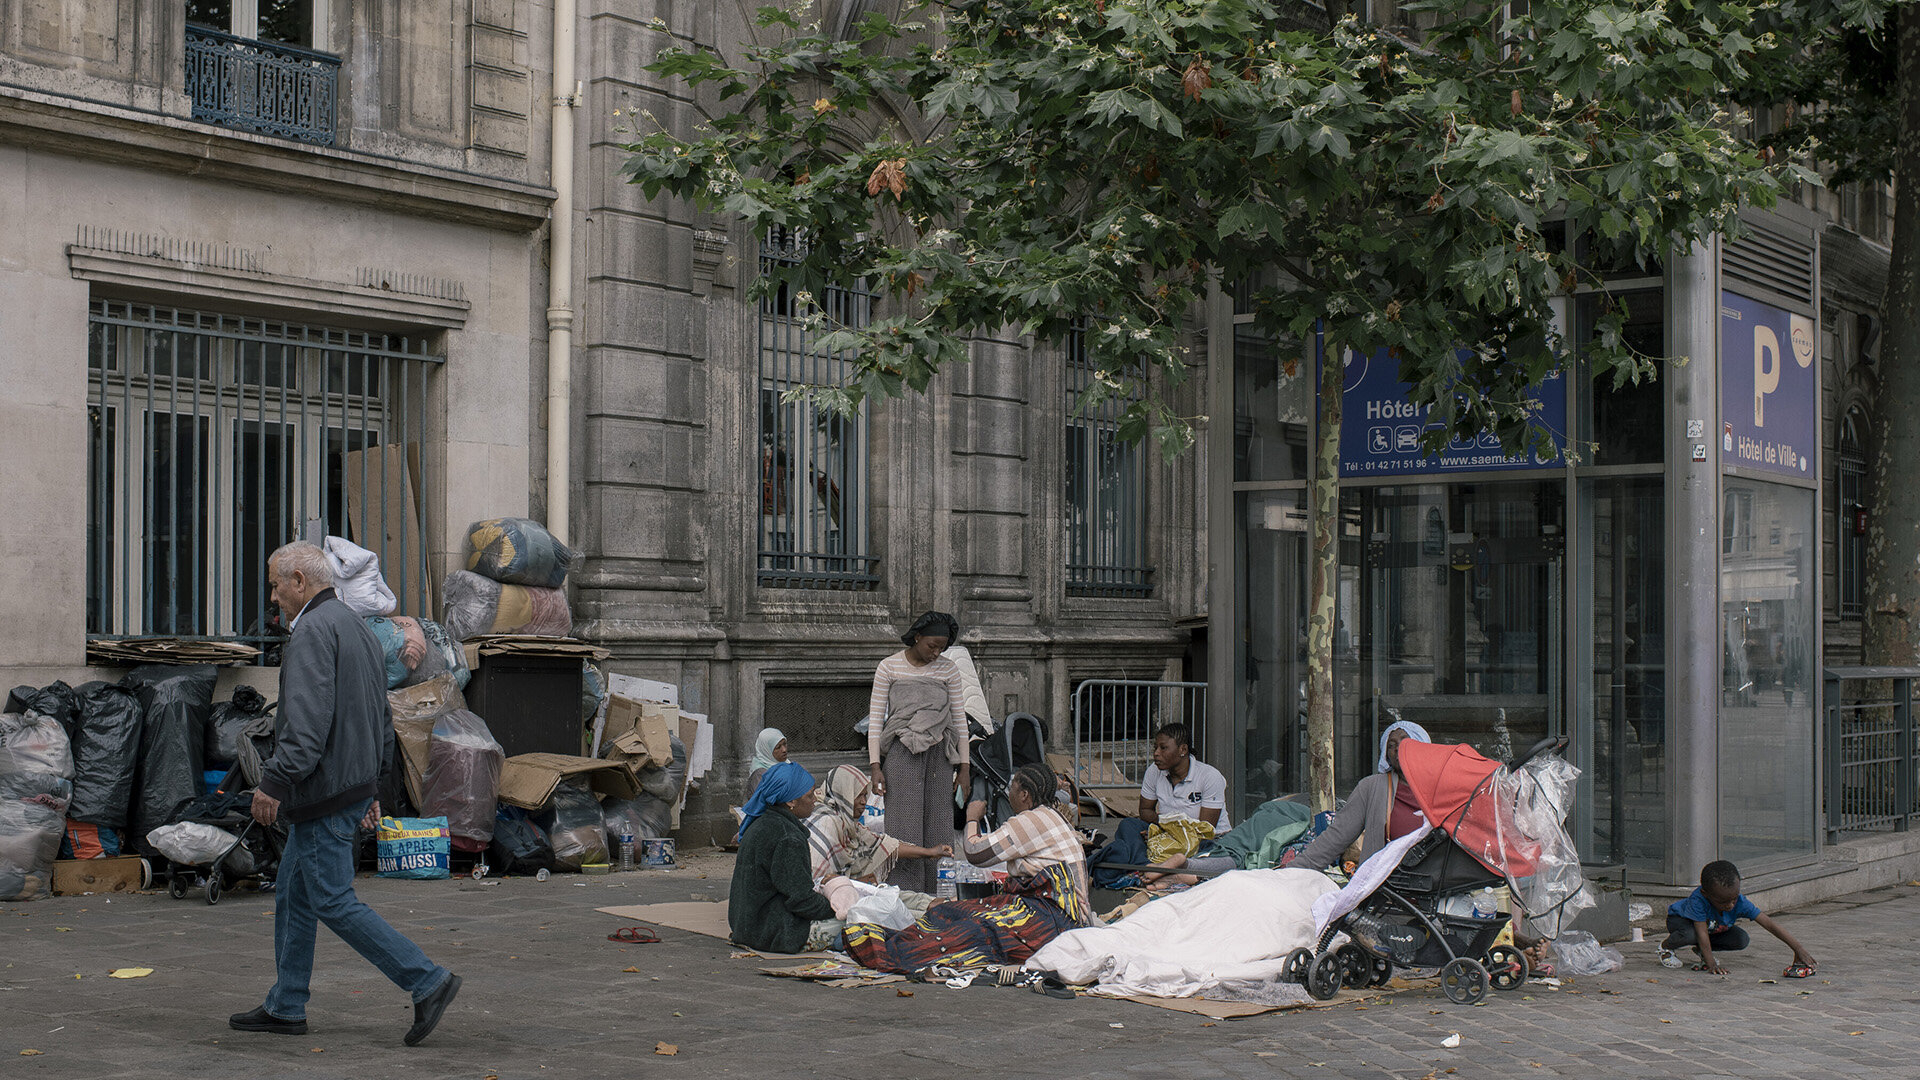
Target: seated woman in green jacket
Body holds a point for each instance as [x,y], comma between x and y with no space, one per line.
[773,905]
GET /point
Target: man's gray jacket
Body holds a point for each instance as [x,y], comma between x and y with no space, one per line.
[333,734]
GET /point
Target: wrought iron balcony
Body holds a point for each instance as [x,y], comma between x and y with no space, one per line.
[261,86]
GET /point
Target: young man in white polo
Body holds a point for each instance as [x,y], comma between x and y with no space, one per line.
[1179,785]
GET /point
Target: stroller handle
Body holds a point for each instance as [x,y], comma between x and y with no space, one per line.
[1552,744]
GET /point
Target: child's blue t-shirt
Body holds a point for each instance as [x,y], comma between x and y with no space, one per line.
[1695,908]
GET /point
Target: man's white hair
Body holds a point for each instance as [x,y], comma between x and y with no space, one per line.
[307,559]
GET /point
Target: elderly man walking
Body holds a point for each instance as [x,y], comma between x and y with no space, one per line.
[332,743]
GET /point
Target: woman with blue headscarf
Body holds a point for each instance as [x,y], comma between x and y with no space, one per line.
[1380,809]
[773,905]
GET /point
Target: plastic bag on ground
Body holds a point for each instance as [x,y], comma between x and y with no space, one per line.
[882,907]
[36,783]
[518,551]
[578,831]
[56,701]
[105,746]
[414,848]
[176,702]
[1577,952]
[472,605]
[519,845]
[194,844]
[462,778]
[227,723]
[357,579]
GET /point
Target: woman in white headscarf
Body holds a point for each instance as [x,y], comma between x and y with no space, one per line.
[769,749]
[1380,809]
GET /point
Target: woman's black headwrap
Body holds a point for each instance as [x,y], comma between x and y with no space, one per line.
[933,624]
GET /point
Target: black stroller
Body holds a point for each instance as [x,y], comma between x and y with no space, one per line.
[1021,741]
[1415,918]
[255,856]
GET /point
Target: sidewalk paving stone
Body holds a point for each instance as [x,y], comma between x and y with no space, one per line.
[547,995]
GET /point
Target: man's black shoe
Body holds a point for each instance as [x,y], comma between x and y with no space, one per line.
[427,1013]
[260,1019]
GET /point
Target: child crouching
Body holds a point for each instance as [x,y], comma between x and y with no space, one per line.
[1705,920]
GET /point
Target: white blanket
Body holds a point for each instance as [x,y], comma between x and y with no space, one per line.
[1367,877]
[1226,939]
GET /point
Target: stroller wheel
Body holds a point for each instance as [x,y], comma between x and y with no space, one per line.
[1299,962]
[1325,976]
[1356,966]
[177,886]
[213,887]
[1464,980]
[1382,971]
[1507,967]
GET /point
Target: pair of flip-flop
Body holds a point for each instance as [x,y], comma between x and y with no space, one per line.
[635,935]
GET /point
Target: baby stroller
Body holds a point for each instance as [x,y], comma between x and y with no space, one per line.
[215,837]
[1420,915]
[1022,740]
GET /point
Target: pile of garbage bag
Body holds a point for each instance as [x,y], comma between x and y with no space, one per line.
[36,784]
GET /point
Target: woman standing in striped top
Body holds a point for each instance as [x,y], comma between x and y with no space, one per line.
[917,743]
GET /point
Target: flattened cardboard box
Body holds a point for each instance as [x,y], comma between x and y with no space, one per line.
[651,720]
[122,873]
[528,780]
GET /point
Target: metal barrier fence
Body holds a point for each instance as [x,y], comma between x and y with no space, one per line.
[1114,721]
[1869,744]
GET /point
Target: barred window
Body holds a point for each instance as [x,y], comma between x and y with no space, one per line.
[813,461]
[216,438]
[1106,491]
[1853,506]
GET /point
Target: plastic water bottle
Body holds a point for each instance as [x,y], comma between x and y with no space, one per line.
[541,874]
[945,889]
[626,851]
[1485,906]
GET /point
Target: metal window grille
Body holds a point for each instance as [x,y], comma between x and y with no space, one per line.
[1853,500]
[813,461]
[214,438]
[1106,492]
[268,87]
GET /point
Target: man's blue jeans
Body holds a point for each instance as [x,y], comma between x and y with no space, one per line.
[315,885]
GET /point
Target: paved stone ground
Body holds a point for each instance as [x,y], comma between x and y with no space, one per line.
[548,995]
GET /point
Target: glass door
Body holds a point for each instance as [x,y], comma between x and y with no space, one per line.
[1270,647]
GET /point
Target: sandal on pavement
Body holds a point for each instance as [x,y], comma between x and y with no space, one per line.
[1798,971]
[635,935]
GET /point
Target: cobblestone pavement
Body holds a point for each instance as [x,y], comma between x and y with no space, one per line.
[547,994]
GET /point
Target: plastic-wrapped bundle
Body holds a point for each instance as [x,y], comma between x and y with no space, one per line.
[392,641]
[36,783]
[226,725]
[176,702]
[105,746]
[473,605]
[57,701]
[578,832]
[415,710]
[518,551]
[455,658]
[462,780]
[650,813]
[356,578]
[519,845]
[193,843]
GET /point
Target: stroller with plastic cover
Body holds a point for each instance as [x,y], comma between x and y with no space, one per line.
[1487,826]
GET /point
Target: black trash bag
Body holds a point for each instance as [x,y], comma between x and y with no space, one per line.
[519,845]
[58,702]
[225,724]
[650,813]
[105,746]
[391,791]
[574,824]
[176,701]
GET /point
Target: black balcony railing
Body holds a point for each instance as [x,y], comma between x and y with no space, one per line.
[261,86]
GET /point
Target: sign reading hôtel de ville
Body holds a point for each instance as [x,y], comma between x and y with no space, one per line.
[1769,388]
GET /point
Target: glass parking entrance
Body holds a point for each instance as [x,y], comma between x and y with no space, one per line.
[1450,616]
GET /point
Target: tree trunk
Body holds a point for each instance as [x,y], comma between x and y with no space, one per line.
[1893,534]
[1323,588]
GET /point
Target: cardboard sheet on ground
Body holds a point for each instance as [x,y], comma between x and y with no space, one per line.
[693,916]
